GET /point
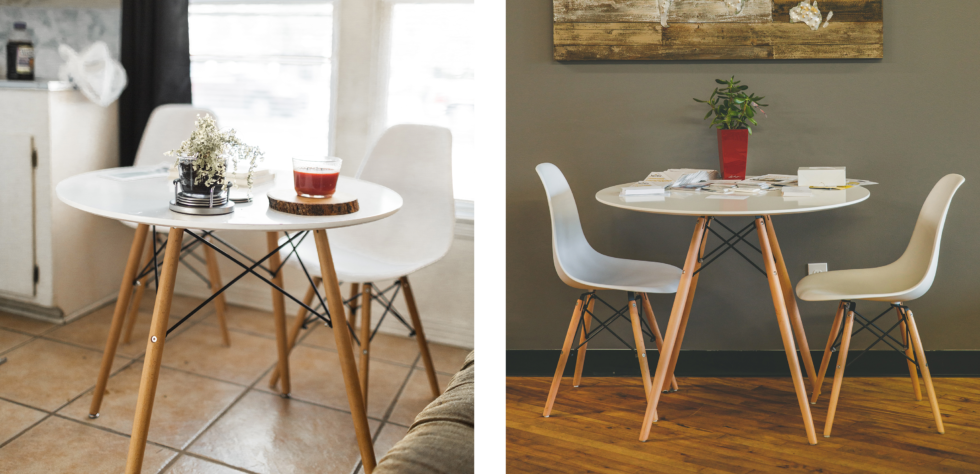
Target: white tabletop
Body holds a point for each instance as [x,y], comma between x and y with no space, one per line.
[688,203]
[147,201]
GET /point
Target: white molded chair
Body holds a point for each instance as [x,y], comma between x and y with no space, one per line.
[904,280]
[167,127]
[580,266]
[416,162]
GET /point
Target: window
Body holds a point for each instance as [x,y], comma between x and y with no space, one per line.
[265,71]
[431,77]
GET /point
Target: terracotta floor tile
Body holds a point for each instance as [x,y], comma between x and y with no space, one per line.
[62,446]
[250,320]
[92,331]
[267,434]
[10,339]
[47,374]
[415,397]
[23,323]
[180,306]
[15,418]
[390,434]
[192,465]
[447,359]
[200,350]
[386,347]
[184,405]
[316,377]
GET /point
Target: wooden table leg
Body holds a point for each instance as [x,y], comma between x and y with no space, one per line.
[122,304]
[583,344]
[791,306]
[297,326]
[834,331]
[785,329]
[563,358]
[909,354]
[154,352]
[279,311]
[349,369]
[920,355]
[363,367]
[220,306]
[413,311]
[134,306]
[670,337]
[655,329]
[687,311]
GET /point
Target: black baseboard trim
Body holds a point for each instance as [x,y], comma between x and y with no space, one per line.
[622,363]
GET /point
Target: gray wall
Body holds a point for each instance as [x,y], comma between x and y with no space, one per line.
[904,121]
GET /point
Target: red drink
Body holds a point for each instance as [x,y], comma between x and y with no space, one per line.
[314,182]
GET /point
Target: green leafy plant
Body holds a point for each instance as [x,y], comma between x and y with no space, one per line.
[733,108]
[213,149]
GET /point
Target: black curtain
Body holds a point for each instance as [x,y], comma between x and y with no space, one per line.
[156,55]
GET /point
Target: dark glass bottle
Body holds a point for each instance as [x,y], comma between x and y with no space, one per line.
[20,54]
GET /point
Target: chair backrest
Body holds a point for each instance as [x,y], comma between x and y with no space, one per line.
[168,126]
[416,162]
[569,247]
[921,257]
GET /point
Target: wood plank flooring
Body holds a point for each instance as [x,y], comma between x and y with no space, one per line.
[741,425]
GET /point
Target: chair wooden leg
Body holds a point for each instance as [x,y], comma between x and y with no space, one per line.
[785,329]
[920,356]
[563,359]
[786,285]
[297,326]
[220,306]
[154,352]
[834,331]
[279,312]
[355,288]
[342,338]
[363,367]
[122,304]
[845,345]
[641,350]
[670,337]
[655,329]
[910,354]
[134,307]
[687,311]
[580,356]
[413,311]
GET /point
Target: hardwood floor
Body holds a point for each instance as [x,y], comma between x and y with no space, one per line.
[741,425]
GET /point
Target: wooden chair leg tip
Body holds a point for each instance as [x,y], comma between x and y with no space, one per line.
[93,416]
[826,436]
[284,395]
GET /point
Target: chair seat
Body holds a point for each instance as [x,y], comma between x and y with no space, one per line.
[887,283]
[353,267]
[609,273]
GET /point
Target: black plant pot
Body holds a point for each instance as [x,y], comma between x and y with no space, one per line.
[186,176]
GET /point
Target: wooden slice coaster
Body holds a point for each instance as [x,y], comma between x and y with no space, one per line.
[286,200]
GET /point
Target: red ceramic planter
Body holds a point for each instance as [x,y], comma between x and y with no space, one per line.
[733,151]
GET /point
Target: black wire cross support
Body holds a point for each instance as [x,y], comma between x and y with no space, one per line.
[870,326]
[590,333]
[729,244]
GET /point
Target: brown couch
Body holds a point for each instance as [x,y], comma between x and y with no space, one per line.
[440,440]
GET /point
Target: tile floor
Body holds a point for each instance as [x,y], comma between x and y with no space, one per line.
[214,410]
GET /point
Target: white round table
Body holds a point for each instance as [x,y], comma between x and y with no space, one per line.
[707,207]
[146,202]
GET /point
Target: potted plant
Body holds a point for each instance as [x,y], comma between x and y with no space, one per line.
[202,161]
[734,111]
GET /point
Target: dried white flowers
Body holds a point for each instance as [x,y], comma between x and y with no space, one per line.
[213,149]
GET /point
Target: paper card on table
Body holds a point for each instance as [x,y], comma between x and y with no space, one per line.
[732,197]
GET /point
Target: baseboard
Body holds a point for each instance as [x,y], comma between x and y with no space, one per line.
[622,363]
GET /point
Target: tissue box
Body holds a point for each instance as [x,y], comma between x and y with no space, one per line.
[822,176]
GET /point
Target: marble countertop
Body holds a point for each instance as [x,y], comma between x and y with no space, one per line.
[39,84]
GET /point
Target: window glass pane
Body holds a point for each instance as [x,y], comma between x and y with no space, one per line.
[265,71]
[431,77]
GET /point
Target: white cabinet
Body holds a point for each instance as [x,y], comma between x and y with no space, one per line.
[56,262]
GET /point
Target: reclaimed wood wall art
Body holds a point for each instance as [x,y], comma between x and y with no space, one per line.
[717,29]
